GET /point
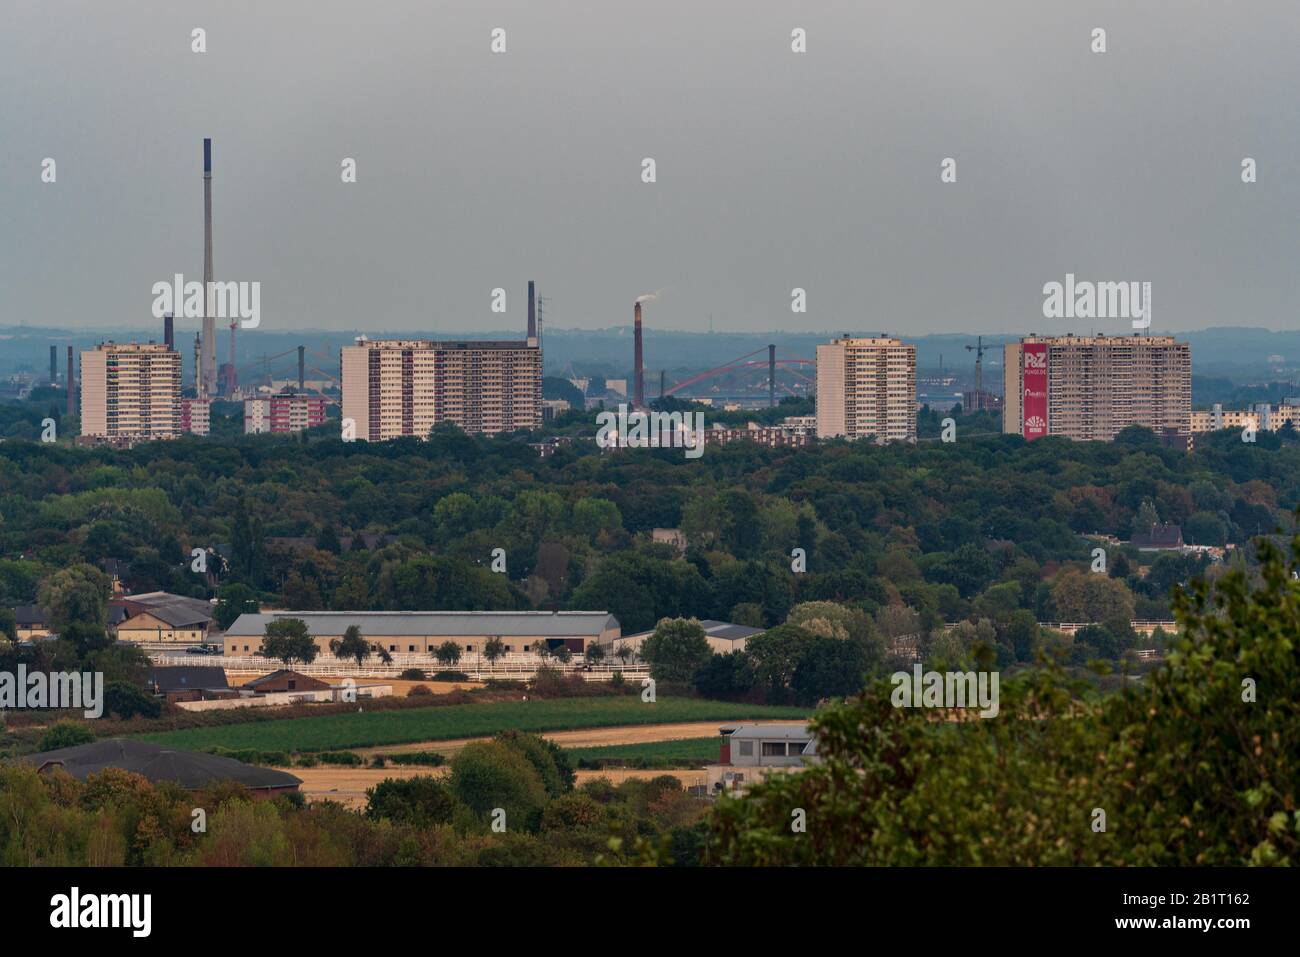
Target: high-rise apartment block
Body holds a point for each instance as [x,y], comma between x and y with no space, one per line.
[131,391]
[1093,387]
[867,388]
[196,416]
[287,412]
[396,387]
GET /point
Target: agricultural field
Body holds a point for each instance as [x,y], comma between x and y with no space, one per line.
[682,751]
[372,729]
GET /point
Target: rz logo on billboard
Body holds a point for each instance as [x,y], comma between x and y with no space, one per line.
[1036,360]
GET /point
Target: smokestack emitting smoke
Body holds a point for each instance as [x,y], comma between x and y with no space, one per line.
[208,377]
[532,310]
[638,387]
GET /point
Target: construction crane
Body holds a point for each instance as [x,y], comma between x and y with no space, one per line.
[978,349]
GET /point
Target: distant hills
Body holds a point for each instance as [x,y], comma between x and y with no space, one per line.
[1240,353]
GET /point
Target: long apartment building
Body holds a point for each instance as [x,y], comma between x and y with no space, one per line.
[131,391]
[396,387]
[867,388]
[1261,417]
[1093,387]
[285,412]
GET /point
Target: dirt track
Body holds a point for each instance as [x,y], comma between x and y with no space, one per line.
[581,738]
[348,785]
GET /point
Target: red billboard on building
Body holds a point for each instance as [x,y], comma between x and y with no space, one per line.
[1034,402]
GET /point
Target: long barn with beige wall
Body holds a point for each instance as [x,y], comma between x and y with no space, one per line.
[421,632]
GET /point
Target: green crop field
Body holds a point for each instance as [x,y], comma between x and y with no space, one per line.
[703,750]
[336,732]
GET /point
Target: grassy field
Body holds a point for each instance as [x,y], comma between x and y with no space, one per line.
[703,750]
[336,732]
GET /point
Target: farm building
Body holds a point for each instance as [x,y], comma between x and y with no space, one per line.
[189,769]
[285,680]
[421,632]
[750,752]
[189,683]
[723,637]
[159,616]
[32,623]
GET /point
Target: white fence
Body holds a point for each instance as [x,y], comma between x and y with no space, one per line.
[476,668]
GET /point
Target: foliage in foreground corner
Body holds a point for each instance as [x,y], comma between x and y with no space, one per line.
[1187,768]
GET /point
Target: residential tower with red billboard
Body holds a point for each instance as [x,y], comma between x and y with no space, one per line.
[1093,387]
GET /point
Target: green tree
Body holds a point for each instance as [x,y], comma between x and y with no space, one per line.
[725,676]
[352,645]
[289,640]
[1088,597]
[490,775]
[301,593]
[66,734]
[234,600]
[675,649]
[1193,765]
[78,594]
[421,801]
[327,540]
[448,653]
[829,668]
[126,700]
[549,760]
[591,516]
[776,654]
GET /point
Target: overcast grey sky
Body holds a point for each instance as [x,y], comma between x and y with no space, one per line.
[775,170]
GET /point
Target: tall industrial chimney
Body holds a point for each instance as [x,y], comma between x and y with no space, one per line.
[638,387]
[54,364]
[208,377]
[302,369]
[72,384]
[532,310]
[198,365]
[169,330]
